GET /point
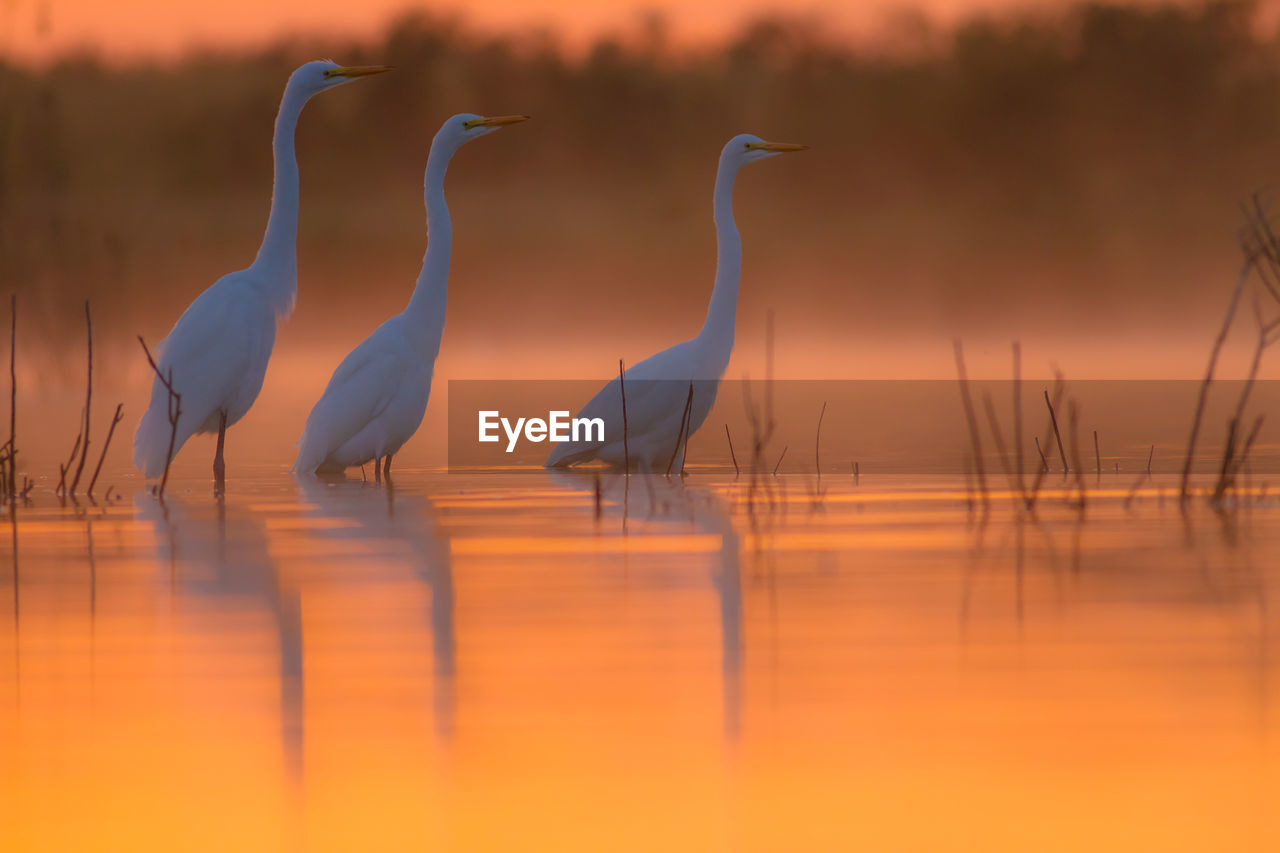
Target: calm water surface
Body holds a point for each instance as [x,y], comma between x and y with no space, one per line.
[516,661]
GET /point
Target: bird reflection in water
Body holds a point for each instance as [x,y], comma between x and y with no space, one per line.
[220,551]
[385,513]
[667,499]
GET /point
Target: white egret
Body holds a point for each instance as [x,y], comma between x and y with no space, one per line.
[658,388]
[375,400]
[218,350]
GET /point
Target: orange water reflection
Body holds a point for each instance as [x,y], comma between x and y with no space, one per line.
[343,666]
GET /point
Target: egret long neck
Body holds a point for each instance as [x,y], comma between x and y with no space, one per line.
[278,256]
[717,331]
[427,305]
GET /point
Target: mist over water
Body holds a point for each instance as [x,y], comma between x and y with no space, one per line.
[1068,179]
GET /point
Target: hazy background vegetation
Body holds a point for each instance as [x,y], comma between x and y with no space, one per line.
[1068,177]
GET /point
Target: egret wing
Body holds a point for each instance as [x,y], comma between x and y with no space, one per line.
[209,352]
[358,393]
[656,391]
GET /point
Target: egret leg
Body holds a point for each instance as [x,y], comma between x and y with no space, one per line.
[387,470]
[219,464]
[377,469]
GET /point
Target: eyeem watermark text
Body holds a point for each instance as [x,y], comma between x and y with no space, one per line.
[558,427]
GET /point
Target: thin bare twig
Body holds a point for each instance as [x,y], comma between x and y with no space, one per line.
[1248,443]
[1053,419]
[1073,414]
[1097,458]
[684,418]
[1230,465]
[1260,239]
[817,440]
[61,490]
[970,501]
[688,428]
[732,455]
[1133,490]
[174,411]
[1059,389]
[626,448]
[13,392]
[599,498]
[1214,352]
[998,436]
[115,419]
[1017,418]
[975,438]
[88,400]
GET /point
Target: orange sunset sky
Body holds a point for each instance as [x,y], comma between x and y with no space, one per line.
[37,30]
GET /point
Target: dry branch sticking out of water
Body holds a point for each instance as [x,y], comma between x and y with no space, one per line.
[174,411]
[971,418]
[88,401]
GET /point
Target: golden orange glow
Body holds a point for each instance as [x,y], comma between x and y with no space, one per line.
[499,545]
[847,623]
[130,28]
[235,670]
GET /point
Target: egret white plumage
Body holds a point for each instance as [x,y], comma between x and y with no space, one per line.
[658,388]
[375,400]
[218,350]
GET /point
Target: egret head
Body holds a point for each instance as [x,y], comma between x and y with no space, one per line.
[464,127]
[324,74]
[746,148]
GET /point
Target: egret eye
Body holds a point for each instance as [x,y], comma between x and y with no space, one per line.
[330,72]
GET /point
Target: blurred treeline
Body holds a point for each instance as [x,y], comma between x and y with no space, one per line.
[1082,166]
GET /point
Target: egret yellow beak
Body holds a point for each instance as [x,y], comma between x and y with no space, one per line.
[776,147]
[353,71]
[493,121]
